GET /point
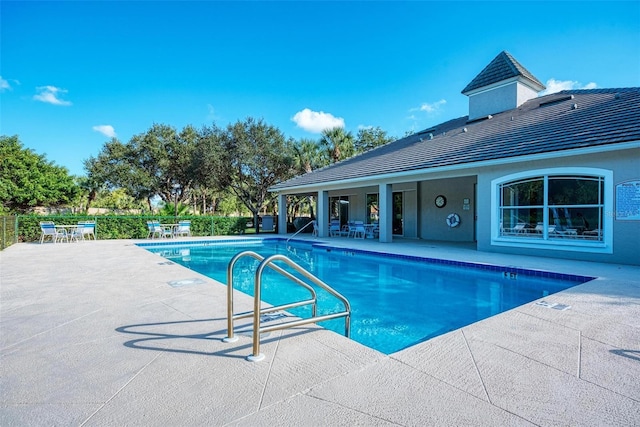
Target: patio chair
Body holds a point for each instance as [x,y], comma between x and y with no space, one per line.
[183,228]
[359,231]
[89,230]
[517,229]
[48,229]
[157,230]
[84,228]
[152,229]
[334,228]
[76,233]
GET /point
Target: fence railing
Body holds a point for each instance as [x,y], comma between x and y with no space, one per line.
[8,231]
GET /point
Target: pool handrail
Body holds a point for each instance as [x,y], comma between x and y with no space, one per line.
[299,231]
[231,317]
[257,310]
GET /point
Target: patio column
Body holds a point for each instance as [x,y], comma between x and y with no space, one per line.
[385,222]
[322,213]
[282,214]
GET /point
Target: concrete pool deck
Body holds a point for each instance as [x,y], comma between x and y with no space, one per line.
[105,333]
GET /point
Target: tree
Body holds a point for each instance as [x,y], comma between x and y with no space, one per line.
[159,162]
[255,157]
[28,180]
[370,138]
[308,156]
[338,144]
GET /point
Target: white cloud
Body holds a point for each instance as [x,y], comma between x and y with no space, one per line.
[316,122]
[4,85]
[554,86]
[50,95]
[430,108]
[106,130]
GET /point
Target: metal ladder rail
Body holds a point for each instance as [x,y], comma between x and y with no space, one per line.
[257,330]
[298,232]
[231,316]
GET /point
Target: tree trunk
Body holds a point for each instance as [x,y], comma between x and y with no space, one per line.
[313,216]
[256,221]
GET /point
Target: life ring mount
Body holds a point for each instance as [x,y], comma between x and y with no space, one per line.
[453,220]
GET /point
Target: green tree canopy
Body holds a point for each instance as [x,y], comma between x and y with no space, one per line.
[28,180]
[370,138]
[159,162]
[256,156]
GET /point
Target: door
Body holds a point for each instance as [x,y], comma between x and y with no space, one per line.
[398,208]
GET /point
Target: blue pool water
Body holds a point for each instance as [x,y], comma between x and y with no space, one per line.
[396,301]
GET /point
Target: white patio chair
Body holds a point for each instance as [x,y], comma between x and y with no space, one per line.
[334,228]
[183,228]
[359,231]
[156,230]
[76,233]
[89,230]
[48,229]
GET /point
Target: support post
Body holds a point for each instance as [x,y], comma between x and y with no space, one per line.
[386,213]
[322,213]
[282,214]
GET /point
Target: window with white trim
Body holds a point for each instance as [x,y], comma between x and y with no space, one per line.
[549,207]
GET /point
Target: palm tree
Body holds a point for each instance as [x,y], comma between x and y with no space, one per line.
[338,143]
[308,156]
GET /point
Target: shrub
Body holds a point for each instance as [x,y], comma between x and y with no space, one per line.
[131,227]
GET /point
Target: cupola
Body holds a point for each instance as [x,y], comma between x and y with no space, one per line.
[503,85]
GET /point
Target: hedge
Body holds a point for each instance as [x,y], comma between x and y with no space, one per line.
[131,227]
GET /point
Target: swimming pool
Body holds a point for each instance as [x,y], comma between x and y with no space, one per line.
[397,301]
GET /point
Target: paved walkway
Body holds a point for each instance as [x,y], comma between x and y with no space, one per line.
[107,334]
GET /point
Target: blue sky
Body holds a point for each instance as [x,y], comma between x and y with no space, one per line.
[74,74]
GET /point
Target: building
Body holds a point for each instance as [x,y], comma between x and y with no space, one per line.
[555,175]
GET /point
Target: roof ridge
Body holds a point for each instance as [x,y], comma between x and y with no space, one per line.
[504,66]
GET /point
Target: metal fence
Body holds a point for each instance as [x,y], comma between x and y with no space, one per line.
[8,231]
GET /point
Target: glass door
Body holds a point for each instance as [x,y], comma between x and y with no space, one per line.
[373,213]
[397,214]
[339,209]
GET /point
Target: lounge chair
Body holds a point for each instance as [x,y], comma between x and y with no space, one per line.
[183,228]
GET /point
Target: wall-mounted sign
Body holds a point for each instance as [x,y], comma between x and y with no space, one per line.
[628,201]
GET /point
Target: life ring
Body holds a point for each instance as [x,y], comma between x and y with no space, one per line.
[453,220]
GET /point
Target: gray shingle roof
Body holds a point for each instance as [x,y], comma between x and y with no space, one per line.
[503,67]
[545,124]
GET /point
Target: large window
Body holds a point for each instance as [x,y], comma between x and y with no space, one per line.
[555,208]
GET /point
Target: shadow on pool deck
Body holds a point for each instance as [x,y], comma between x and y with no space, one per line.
[94,334]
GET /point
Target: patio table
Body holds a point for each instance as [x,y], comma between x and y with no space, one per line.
[171,228]
[66,229]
